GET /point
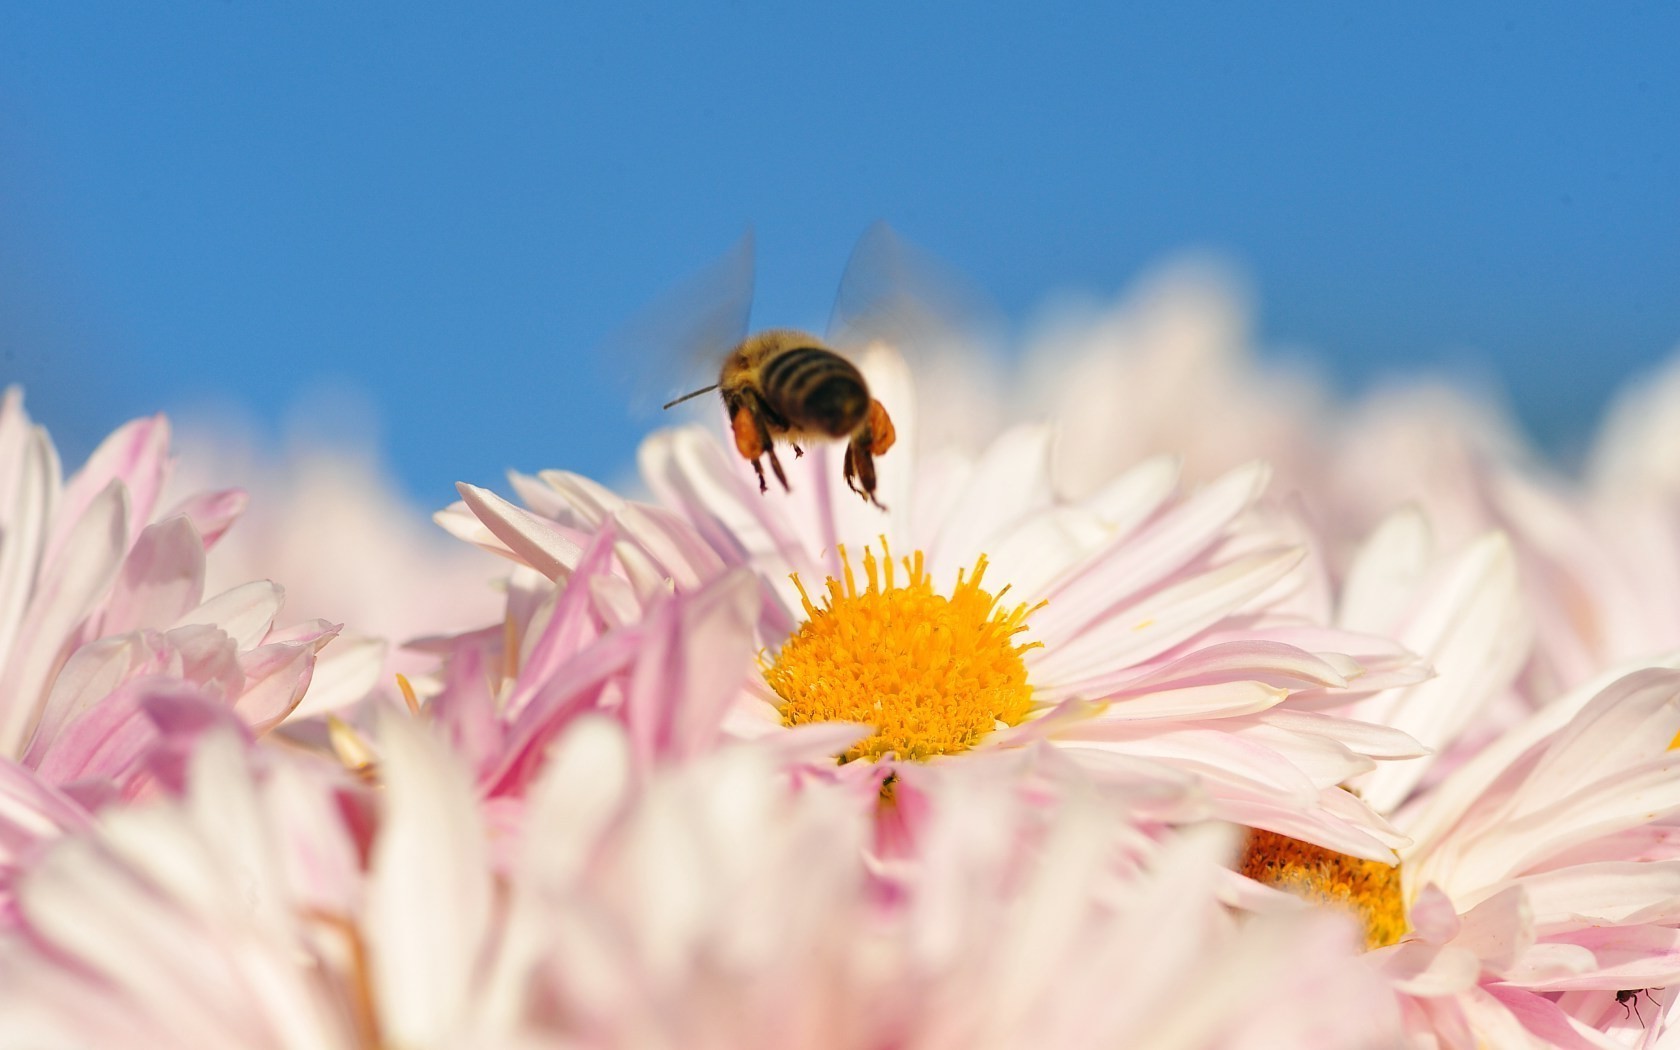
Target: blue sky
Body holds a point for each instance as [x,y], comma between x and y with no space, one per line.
[445,209]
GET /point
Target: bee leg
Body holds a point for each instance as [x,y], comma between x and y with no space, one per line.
[776,465]
[798,453]
[752,441]
[860,464]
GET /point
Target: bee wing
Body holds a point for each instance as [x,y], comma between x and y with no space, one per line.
[897,301]
[894,293]
[676,345]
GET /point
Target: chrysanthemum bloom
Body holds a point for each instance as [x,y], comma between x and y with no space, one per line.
[710,903]
[1543,873]
[106,637]
[1181,631]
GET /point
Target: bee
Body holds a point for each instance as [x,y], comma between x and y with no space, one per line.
[787,384]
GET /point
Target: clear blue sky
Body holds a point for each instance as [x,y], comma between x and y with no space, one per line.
[448,206]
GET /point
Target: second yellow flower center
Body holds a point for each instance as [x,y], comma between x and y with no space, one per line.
[1369,890]
[933,674]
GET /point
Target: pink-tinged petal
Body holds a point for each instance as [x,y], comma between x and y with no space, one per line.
[1233,661]
[134,456]
[304,809]
[105,921]
[213,513]
[1260,660]
[93,550]
[305,632]
[1601,957]
[1347,832]
[1623,799]
[1135,495]
[245,612]
[1363,738]
[162,578]
[207,657]
[1474,630]
[32,810]
[1326,761]
[1188,702]
[1435,817]
[540,544]
[1604,894]
[428,894]
[587,503]
[1647,842]
[672,544]
[1016,463]
[1131,564]
[569,627]
[812,744]
[687,469]
[693,661]
[1428,969]
[458,520]
[1499,929]
[28,491]
[562,699]
[1632,722]
[1384,575]
[1433,916]
[1511,1017]
[345,671]
[1159,621]
[92,673]
[580,792]
[466,709]
[107,741]
[184,718]
[276,678]
[1256,786]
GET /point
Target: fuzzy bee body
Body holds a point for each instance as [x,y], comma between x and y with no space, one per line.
[784,384]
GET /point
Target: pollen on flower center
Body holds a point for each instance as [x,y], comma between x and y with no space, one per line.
[1369,890]
[933,674]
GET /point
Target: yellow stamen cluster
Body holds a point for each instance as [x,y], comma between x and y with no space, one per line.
[1369,890]
[933,674]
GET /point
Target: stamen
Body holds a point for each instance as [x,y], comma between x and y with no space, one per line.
[933,674]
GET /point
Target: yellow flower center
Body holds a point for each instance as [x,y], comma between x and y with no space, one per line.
[1369,890]
[933,674]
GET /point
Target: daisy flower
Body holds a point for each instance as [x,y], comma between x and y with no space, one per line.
[1541,877]
[1142,625]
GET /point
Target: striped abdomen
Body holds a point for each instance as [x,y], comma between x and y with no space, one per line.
[815,389]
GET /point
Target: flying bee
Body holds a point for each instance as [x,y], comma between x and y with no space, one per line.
[793,386]
[786,384]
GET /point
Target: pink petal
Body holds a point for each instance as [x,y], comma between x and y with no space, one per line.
[1160,621]
[162,577]
[67,595]
[28,488]
[136,456]
[213,513]
[535,542]
[277,676]
[245,612]
[1131,564]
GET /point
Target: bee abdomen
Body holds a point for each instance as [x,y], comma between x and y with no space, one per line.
[817,389]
